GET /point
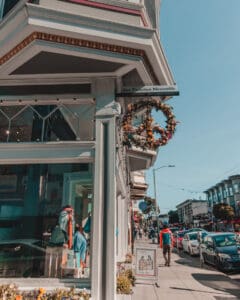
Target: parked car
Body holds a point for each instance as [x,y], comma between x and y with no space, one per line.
[196,230]
[238,237]
[21,258]
[221,250]
[190,243]
[191,240]
[177,239]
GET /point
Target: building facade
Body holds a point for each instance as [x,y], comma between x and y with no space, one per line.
[192,210]
[226,191]
[63,161]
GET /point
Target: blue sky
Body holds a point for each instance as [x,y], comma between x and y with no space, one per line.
[202,45]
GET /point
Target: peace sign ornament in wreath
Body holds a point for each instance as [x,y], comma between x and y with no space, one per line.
[144,135]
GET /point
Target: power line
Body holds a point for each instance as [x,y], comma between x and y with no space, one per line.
[182,189]
[229,172]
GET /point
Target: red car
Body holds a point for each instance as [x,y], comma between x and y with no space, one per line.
[177,239]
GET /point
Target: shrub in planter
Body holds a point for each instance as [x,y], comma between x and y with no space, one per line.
[130,276]
[124,285]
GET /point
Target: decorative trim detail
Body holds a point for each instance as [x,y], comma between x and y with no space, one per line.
[143,135]
[112,8]
[79,43]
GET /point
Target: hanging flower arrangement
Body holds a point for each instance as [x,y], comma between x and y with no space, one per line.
[144,135]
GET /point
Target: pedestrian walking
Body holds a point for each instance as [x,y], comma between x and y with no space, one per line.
[166,242]
[135,232]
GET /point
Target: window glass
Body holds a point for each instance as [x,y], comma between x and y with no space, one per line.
[193,236]
[40,123]
[8,5]
[4,127]
[235,187]
[225,240]
[45,220]
[21,126]
[57,128]
[11,111]
[180,234]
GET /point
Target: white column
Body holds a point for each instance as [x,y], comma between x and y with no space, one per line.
[104,209]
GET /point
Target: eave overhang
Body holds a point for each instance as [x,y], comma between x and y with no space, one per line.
[30,29]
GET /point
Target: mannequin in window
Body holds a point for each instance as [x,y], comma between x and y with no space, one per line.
[80,247]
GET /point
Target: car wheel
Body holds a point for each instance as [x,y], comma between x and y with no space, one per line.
[204,258]
[217,264]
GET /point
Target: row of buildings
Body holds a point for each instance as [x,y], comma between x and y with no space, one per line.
[74,74]
[199,212]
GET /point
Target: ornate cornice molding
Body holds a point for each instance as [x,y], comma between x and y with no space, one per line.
[79,43]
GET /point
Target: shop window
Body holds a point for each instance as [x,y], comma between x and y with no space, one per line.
[6,6]
[45,220]
[40,123]
[21,126]
[57,128]
[4,127]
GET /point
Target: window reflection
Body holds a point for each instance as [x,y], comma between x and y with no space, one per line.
[8,5]
[21,126]
[4,128]
[45,220]
[40,123]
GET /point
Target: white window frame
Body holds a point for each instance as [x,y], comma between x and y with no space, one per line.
[2,2]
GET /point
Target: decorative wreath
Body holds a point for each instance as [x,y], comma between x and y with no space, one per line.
[143,136]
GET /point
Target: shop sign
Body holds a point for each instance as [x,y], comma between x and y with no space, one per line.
[149,90]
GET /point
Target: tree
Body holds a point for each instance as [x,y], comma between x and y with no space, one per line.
[223,211]
[173,216]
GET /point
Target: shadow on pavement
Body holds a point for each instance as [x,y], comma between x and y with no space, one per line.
[191,261]
[219,282]
[191,290]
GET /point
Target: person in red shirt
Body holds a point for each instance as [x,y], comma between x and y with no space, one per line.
[166,243]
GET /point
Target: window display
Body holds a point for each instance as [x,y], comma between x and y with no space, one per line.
[46,231]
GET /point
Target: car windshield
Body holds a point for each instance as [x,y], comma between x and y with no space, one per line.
[225,240]
[180,234]
[193,236]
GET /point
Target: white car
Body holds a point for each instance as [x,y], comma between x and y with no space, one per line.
[190,243]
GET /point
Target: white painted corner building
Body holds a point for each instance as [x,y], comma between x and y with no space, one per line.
[63,67]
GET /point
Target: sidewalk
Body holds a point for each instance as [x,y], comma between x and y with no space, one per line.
[182,281]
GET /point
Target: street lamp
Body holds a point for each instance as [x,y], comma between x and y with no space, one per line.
[155,189]
[154,178]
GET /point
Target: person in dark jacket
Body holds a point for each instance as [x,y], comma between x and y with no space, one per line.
[166,242]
